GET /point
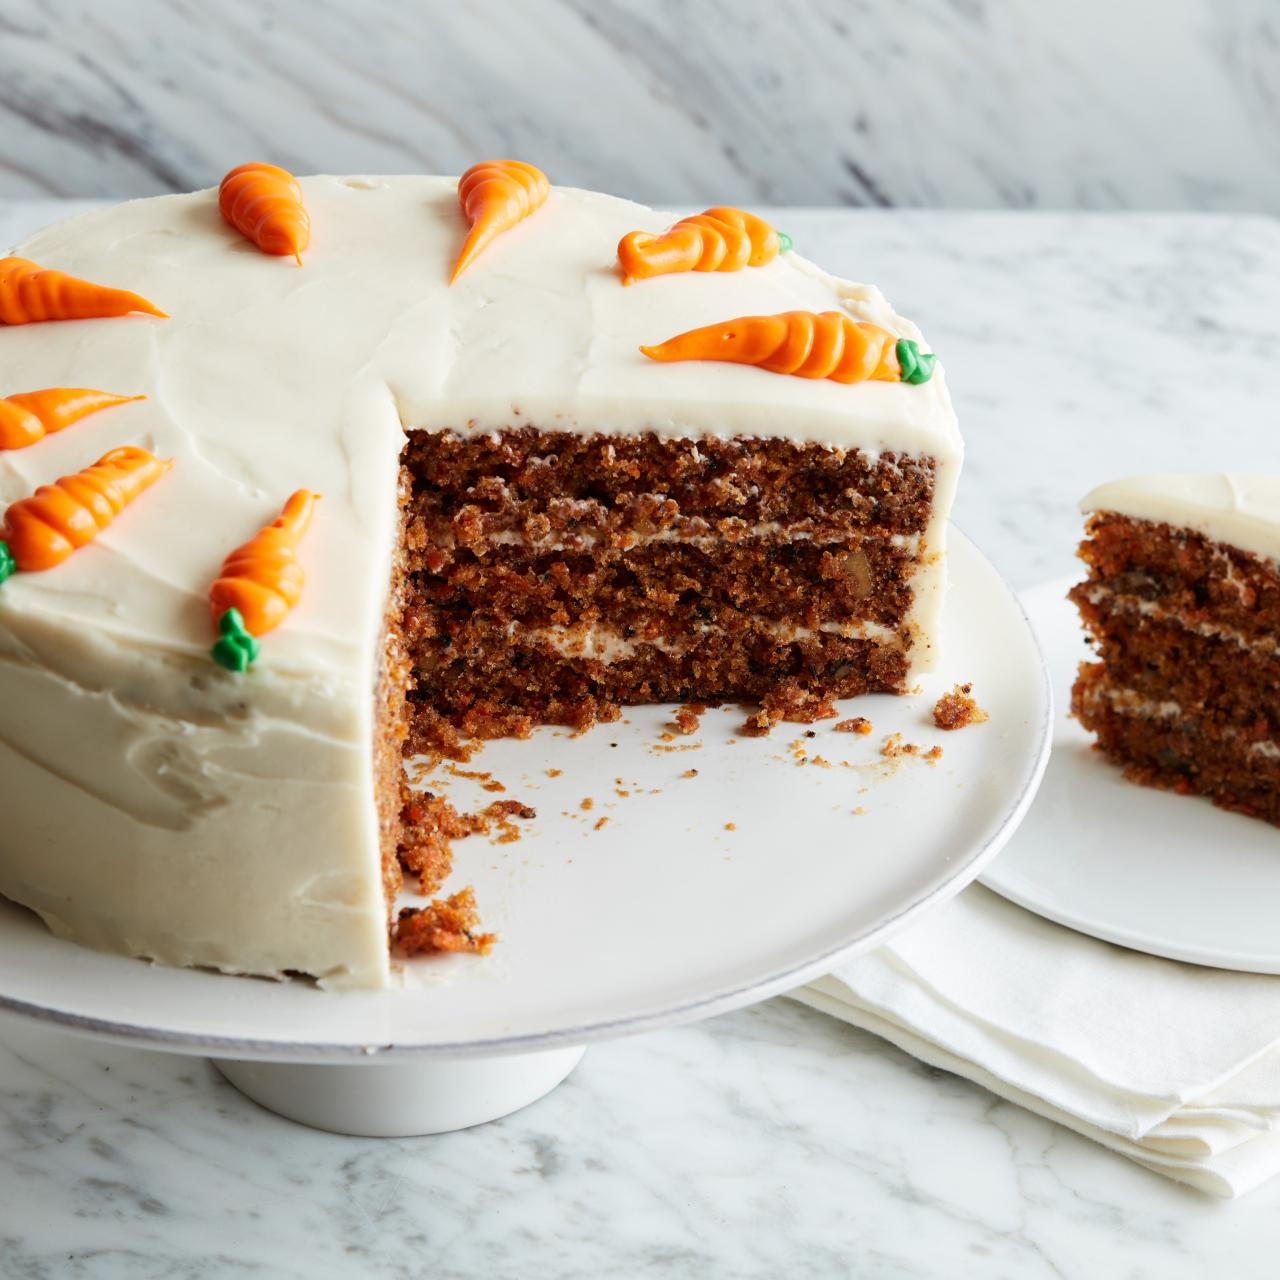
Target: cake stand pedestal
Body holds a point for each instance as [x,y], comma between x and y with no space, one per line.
[667,876]
[382,1099]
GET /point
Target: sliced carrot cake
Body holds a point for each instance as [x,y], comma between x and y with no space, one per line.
[1182,603]
[387,461]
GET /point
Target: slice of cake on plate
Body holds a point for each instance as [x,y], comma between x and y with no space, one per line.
[443,458]
[1182,603]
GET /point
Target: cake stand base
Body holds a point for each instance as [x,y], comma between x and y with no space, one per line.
[402,1099]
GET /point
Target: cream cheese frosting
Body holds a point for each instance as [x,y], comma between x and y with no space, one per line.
[1240,510]
[160,806]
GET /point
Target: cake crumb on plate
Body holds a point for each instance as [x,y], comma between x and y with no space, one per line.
[855,724]
[444,925]
[687,719]
[956,709]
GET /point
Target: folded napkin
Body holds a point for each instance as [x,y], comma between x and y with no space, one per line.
[1173,1065]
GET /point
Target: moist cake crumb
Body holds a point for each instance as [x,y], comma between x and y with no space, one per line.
[758,724]
[855,724]
[486,780]
[687,719]
[430,824]
[790,700]
[957,709]
[444,925]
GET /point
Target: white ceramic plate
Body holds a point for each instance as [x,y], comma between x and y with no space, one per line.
[686,897]
[1162,873]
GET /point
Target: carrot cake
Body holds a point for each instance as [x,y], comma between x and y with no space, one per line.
[1182,603]
[422,458]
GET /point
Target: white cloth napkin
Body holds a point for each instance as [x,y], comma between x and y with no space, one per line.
[1173,1065]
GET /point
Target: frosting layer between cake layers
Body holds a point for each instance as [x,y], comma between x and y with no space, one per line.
[157,805]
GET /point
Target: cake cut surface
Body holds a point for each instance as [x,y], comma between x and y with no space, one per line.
[1182,602]
[561,577]
[523,520]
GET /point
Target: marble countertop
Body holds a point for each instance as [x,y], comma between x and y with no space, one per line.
[772,1140]
[943,103]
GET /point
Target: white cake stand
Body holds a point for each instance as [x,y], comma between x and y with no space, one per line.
[664,879]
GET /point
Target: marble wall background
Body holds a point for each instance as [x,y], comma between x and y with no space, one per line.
[976,103]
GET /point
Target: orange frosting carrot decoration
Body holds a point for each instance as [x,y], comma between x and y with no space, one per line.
[41,531]
[264,204]
[30,293]
[495,195]
[32,415]
[720,239]
[259,583]
[806,344]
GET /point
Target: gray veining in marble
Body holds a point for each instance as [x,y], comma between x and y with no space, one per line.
[771,1141]
[1097,104]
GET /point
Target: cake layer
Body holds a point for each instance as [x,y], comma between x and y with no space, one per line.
[1232,679]
[584,525]
[644,482]
[503,686]
[665,588]
[1185,573]
[563,577]
[1160,745]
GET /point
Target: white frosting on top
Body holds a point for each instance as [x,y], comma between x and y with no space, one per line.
[270,377]
[1241,510]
